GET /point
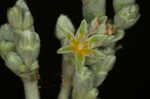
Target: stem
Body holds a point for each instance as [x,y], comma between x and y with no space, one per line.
[64,93]
[67,76]
[31,89]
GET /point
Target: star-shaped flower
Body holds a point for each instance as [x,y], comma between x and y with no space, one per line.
[82,43]
[87,39]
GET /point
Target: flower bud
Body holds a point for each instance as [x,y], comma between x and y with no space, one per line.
[27,21]
[127,16]
[64,27]
[19,16]
[21,4]
[15,17]
[27,17]
[6,33]
[6,47]
[101,69]
[84,79]
[107,64]
[14,63]
[93,8]
[98,25]
[28,47]
[118,4]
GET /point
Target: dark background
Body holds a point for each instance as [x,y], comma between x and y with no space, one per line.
[129,79]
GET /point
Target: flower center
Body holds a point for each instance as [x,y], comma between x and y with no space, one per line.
[79,47]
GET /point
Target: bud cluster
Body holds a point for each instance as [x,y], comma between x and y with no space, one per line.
[19,43]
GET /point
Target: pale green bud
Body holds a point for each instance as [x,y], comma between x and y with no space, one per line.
[15,17]
[102,68]
[28,47]
[84,79]
[28,20]
[6,47]
[98,25]
[21,4]
[6,33]
[93,8]
[18,34]
[127,16]
[20,17]
[83,84]
[118,4]
[64,27]
[14,63]
[106,65]
[27,17]
[102,25]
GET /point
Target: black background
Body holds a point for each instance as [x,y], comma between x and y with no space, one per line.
[129,78]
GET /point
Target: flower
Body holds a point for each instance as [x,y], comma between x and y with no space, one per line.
[82,44]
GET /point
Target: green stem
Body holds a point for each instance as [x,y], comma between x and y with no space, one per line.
[65,91]
[31,89]
[30,82]
[67,76]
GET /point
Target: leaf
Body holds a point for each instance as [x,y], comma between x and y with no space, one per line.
[102,26]
[108,63]
[15,63]
[97,53]
[5,48]
[98,25]
[102,68]
[118,35]
[6,33]
[93,26]
[64,50]
[82,31]
[97,40]
[64,27]
[114,38]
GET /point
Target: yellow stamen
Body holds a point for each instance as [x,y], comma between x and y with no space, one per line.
[79,47]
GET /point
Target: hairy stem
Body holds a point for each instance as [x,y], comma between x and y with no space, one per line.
[31,89]
[65,91]
[30,82]
[67,76]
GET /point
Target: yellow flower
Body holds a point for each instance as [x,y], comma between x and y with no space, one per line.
[82,44]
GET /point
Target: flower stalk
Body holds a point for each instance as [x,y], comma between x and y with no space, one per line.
[31,86]
[31,90]
[67,77]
